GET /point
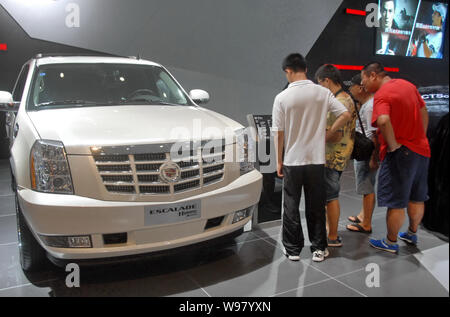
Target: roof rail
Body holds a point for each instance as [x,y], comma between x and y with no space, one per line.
[42,55]
[137,57]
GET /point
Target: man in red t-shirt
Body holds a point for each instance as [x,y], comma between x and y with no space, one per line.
[401,116]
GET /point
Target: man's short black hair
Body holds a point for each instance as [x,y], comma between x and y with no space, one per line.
[294,61]
[375,67]
[329,71]
[356,80]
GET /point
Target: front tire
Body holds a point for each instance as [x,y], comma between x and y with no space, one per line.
[32,255]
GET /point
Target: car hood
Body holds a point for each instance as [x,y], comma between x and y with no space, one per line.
[81,128]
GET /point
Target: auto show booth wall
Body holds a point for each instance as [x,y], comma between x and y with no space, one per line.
[233,49]
[348,41]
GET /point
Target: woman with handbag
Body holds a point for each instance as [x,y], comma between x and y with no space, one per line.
[365,158]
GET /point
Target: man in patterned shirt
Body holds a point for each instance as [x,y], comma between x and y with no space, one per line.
[338,150]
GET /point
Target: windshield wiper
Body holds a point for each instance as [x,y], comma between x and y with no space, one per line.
[168,103]
[147,102]
[135,101]
[81,103]
[68,102]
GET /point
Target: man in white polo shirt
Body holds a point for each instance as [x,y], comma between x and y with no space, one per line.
[299,126]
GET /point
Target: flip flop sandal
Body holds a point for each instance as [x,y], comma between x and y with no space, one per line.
[356,219]
[360,228]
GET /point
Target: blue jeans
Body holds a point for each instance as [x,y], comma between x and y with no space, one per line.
[332,183]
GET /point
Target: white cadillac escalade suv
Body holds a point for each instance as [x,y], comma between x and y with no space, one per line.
[110,157]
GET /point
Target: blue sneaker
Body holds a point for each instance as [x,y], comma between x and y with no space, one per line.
[412,239]
[382,245]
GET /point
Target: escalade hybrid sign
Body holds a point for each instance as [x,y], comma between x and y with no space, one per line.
[164,214]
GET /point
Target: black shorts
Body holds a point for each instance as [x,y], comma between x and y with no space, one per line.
[403,178]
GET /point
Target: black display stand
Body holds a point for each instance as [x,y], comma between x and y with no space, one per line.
[436,216]
[269,207]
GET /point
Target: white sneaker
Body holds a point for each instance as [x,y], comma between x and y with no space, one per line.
[291,257]
[319,256]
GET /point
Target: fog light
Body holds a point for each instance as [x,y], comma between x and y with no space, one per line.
[242,214]
[79,242]
[67,241]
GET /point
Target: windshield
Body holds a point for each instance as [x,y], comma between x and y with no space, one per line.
[87,85]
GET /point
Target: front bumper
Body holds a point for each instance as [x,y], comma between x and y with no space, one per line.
[71,215]
[179,251]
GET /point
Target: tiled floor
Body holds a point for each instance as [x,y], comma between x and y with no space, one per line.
[253,265]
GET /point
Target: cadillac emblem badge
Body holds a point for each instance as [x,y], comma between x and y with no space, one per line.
[170,172]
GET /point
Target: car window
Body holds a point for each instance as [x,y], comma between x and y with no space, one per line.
[20,84]
[78,85]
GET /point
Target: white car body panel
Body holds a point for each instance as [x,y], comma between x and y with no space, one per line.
[80,128]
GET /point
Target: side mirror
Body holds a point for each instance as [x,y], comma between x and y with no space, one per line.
[7,103]
[199,96]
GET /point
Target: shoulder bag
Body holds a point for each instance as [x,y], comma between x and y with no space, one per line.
[363,147]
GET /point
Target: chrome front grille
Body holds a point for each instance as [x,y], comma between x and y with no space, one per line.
[109,158]
[187,186]
[120,189]
[124,172]
[114,168]
[150,157]
[211,179]
[117,179]
[154,189]
[148,167]
[148,178]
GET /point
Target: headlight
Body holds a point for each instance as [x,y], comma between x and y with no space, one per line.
[245,150]
[49,168]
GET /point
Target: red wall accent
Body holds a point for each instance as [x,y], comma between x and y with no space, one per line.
[355,12]
[357,67]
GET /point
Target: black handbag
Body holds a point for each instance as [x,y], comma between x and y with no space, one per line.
[363,147]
